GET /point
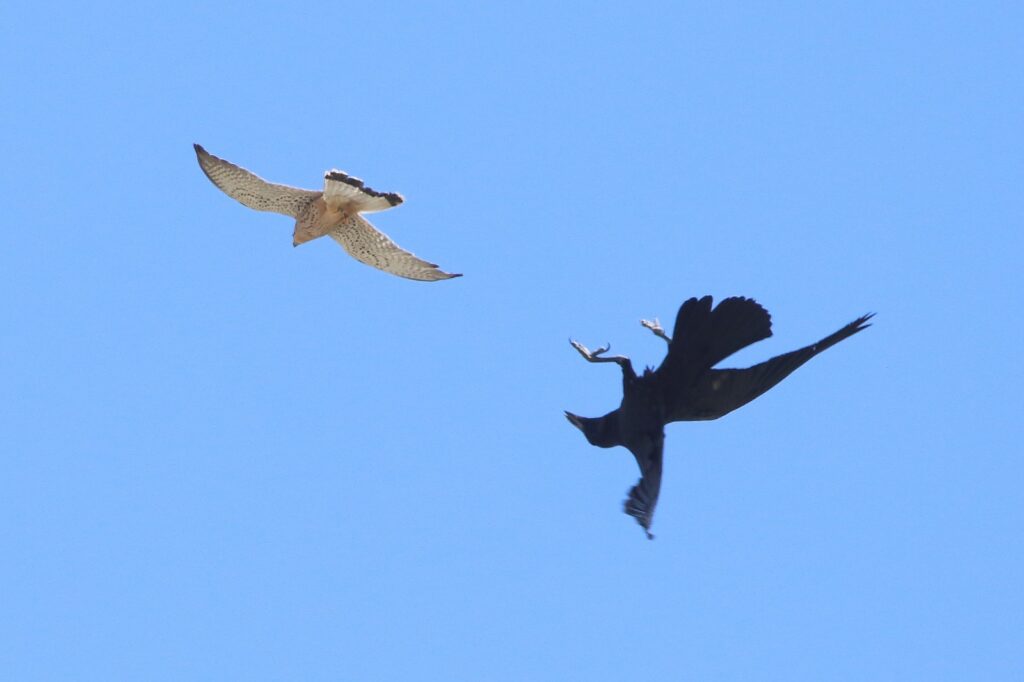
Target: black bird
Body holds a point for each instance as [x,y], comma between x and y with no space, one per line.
[686,388]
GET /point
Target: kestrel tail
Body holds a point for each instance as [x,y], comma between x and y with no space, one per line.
[334,212]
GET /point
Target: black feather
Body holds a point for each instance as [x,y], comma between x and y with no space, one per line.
[686,387]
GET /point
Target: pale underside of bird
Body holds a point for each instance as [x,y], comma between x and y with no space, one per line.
[335,212]
[686,387]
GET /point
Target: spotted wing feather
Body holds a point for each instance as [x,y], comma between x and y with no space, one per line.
[369,245]
[252,190]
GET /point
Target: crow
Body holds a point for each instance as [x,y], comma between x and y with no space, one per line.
[686,387]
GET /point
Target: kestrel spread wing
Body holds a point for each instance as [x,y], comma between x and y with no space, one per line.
[369,245]
[334,211]
[252,190]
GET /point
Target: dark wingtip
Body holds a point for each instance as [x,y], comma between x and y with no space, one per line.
[199,148]
[861,322]
[574,420]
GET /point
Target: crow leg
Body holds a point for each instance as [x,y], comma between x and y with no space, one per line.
[655,327]
[597,355]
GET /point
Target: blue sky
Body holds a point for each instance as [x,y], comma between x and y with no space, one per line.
[225,458]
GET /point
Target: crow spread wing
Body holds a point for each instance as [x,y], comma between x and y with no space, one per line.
[643,497]
[720,391]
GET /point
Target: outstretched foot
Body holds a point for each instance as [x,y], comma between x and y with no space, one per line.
[655,327]
[597,354]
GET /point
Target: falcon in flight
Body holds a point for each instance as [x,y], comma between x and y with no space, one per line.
[686,387]
[335,212]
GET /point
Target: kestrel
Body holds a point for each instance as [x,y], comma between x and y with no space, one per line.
[686,388]
[334,212]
